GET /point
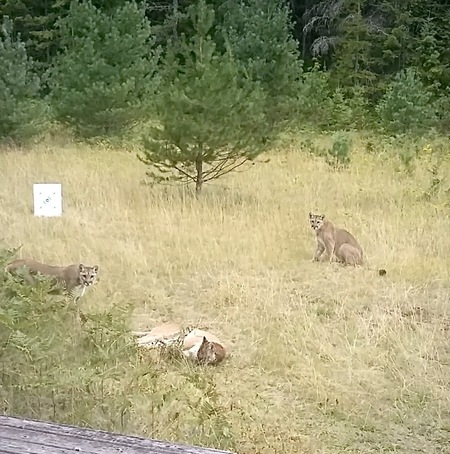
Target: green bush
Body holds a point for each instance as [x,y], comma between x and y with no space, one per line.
[350,110]
[315,99]
[442,110]
[407,106]
[321,108]
[339,155]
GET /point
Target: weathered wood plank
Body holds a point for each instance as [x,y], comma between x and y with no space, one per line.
[27,436]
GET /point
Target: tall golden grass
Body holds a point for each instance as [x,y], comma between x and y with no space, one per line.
[324,358]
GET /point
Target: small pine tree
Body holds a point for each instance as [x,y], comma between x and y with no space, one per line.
[315,99]
[22,113]
[210,119]
[339,155]
[102,81]
[406,105]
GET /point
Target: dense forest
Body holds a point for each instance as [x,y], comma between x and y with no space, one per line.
[100,67]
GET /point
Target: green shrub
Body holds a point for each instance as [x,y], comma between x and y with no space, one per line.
[407,106]
[338,156]
[315,100]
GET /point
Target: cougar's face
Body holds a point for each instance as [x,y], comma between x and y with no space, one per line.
[88,275]
[206,353]
[316,220]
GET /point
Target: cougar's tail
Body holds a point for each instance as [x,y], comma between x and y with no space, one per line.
[379,271]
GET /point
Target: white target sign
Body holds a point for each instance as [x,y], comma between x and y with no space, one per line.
[47,199]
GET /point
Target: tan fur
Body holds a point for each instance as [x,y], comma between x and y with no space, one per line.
[196,335]
[210,353]
[71,277]
[334,241]
[199,346]
[204,347]
[164,332]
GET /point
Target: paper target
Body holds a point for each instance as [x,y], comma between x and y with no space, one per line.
[47,199]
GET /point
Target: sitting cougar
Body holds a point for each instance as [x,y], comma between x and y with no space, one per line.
[334,241]
[75,278]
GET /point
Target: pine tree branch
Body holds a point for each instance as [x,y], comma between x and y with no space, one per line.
[227,155]
[187,175]
[218,167]
[225,169]
[231,168]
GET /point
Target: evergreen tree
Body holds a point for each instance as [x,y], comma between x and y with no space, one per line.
[353,62]
[407,105]
[103,80]
[315,99]
[431,59]
[259,33]
[35,21]
[210,119]
[22,113]
[394,47]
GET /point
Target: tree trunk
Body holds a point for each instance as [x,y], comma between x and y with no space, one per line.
[199,178]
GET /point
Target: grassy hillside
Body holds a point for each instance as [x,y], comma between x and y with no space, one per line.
[324,359]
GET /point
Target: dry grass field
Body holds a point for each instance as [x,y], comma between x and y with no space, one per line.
[324,359]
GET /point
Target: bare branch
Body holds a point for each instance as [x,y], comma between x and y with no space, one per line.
[217,168]
[175,167]
[221,163]
[187,175]
[227,169]
[323,45]
[158,7]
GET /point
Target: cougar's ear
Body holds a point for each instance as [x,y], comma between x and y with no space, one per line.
[310,215]
[81,267]
[95,268]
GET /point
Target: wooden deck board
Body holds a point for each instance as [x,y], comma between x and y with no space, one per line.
[25,436]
